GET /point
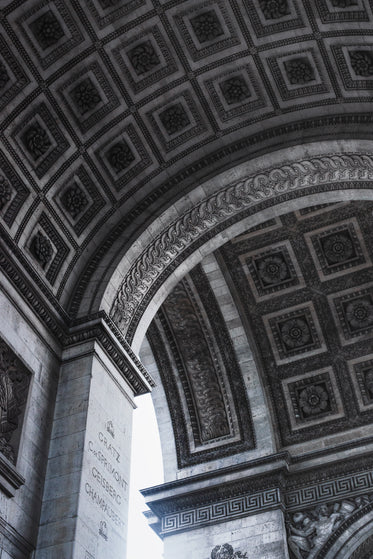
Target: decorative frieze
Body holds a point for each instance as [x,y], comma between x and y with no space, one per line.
[229,509]
[310,530]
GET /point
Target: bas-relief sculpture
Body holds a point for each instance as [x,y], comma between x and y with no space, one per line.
[14,381]
[309,530]
[225,551]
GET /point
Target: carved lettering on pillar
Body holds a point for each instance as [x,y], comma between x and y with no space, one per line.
[309,531]
[106,484]
[14,383]
[226,551]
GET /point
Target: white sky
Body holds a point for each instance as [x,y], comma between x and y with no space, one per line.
[146,470]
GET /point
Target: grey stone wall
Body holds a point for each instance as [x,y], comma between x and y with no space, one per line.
[20,513]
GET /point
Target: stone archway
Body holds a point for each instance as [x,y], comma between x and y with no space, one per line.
[220,209]
[354,539]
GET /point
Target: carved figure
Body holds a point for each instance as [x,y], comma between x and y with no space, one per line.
[13,392]
[8,403]
[310,530]
[225,551]
[314,533]
[296,541]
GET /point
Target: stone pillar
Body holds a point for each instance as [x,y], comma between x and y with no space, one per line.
[85,503]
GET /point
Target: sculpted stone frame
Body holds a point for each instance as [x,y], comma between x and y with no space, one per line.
[222,208]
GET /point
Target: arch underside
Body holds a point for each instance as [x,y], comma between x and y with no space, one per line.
[105,126]
[193,180]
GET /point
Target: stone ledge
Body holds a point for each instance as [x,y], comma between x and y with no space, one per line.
[10,479]
[13,543]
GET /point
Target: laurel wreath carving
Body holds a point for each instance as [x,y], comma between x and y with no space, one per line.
[218,207]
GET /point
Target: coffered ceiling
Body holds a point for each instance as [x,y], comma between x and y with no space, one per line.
[303,286]
[112,109]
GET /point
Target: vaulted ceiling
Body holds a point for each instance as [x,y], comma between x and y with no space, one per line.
[302,286]
[113,109]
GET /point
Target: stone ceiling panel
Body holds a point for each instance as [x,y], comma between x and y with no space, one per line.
[103,105]
[313,337]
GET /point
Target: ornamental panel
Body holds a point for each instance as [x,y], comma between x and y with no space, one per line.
[353,313]
[122,156]
[50,32]
[274,17]
[13,79]
[354,61]
[339,12]
[14,386]
[205,29]
[106,12]
[298,74]
[47,248]
[13,192]
[339,249]
[272,271]
[178,122]
[361,370]
[145,59]
[236,94]
[312,398]
[79,199]
[88,96]
[294,333]
[205,392]
[40,139]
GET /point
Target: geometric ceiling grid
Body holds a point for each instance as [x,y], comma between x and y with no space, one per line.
[103,103]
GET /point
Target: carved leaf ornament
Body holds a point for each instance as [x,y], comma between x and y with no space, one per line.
[217,208]
[225,551]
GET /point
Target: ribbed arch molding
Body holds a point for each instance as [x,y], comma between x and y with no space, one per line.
[224,207]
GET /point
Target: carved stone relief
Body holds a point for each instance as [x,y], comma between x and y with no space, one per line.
[309,530]
[226,551]
[196,360]
[168,246]
[310,316]
[14,383]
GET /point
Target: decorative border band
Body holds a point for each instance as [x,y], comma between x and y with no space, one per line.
[162,253]
[223,510]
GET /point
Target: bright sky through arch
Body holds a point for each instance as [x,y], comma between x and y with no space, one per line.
[146,471]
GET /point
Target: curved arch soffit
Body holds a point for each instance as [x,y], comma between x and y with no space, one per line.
[222,208]
[356,538]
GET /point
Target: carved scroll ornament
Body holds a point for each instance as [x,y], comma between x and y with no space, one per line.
[231,200]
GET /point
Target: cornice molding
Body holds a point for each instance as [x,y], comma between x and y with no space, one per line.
[10,479]
[100,328]
[97,326]
[159,257]
[280,488]
[14,541]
